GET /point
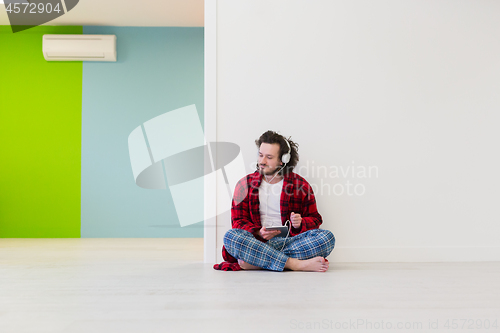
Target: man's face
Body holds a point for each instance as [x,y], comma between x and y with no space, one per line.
[269,161]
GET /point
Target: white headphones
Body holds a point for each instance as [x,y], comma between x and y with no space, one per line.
[286,157]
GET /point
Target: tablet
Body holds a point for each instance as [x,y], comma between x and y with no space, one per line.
[282,228]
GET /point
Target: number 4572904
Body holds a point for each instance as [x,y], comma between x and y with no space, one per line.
[32,8]
[470,324]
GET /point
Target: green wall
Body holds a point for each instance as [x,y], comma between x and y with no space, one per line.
[40,137]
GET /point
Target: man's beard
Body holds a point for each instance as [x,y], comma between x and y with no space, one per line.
[270,172]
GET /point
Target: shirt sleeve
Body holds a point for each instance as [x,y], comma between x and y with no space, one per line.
[240,210]
[311,219]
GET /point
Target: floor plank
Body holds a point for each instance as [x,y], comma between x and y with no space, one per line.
[162,285]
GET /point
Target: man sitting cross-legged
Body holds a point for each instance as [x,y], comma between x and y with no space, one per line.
[271,196]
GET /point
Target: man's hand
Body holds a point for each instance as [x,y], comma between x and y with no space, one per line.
[268,234]
[296,220]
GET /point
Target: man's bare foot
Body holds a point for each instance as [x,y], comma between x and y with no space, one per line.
[247,266]
[316,264]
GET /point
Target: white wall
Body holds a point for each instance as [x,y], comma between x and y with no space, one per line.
[411,88]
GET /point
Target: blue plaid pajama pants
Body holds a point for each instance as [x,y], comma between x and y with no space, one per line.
[241,244]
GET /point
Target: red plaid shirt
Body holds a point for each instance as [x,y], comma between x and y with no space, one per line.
[296,196]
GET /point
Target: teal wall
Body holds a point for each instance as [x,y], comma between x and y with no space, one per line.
[158,70]
[40,137]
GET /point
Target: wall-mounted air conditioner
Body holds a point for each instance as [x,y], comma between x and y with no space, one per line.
[79,47]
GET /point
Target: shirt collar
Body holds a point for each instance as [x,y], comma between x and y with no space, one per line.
[257,179]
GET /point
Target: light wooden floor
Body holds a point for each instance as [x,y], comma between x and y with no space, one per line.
[162,285]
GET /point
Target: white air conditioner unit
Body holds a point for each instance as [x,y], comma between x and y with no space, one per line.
[79,47]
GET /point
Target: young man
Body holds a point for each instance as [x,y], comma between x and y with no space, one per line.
[274,195]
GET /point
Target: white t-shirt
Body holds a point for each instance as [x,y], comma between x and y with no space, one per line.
[269,198]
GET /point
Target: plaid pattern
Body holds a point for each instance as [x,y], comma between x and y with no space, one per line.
[241,244]
[230,263]
[297,196]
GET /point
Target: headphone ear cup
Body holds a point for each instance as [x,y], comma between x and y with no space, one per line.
[285,158]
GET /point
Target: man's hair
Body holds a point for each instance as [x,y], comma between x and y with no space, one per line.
[273,137]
